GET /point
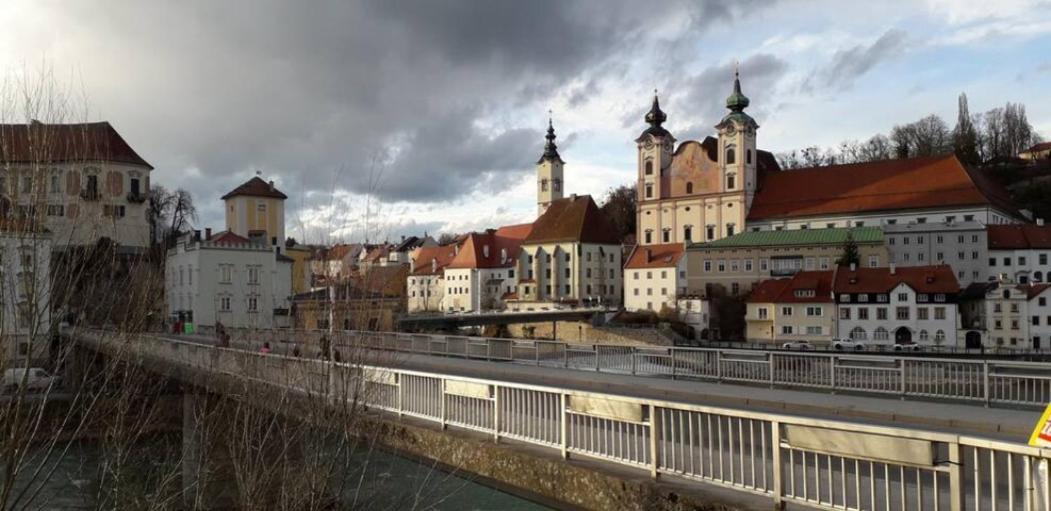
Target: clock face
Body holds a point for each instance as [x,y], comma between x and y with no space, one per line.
[649,143]
[730,130]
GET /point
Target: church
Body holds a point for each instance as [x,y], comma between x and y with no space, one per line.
[703,191]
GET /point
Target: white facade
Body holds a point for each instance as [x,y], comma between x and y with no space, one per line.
[1020,265]
[984,215]
[654,288]
[571,271]
[900,316]
[695,311]
[961,245]
[25,297]
[1040,319]
[238,284]
[477,289]
[426,292]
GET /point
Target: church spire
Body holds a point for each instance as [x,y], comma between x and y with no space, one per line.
[737,101]
[655,117]
[550,149]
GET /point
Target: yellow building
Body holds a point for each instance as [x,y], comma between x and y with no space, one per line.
[794,309]
[256,209]
[301,269]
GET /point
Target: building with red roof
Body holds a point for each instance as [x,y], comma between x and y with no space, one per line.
[654,276]
[792,309]
[1020,252]
[485,269]
[256,209]
[1005,314]
[426,280]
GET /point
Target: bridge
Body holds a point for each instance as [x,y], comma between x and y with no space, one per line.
[417,322]
[690,418]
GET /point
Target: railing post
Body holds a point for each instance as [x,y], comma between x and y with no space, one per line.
[401,395]
[633,360]
[718,366]
[441,401]
[565,426]
[832,373]
[770,368]
[565,356]
[496,414]
[956,479]
[985,383]
[654,430]
[778,487]
[674,369]
[903,378]
[536,352]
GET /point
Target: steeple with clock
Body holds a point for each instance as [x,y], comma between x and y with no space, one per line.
[549,172]
[737,155]
[655,146]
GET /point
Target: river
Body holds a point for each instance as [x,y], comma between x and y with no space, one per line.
[392,483]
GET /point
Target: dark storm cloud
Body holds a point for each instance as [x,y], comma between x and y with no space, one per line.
[702,103]
[850,63]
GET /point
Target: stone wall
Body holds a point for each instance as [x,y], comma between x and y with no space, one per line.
[583,332]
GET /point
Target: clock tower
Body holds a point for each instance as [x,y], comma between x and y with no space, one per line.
[549,181]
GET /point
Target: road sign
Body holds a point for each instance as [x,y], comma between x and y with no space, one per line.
[1041,436]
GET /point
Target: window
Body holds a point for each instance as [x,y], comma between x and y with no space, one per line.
[786,311]
[814,330]
[636,291]
[902,313]
[707,266]
[56,183]
[735,288]
[55,210]
[729,229]
[922,297]
[224,303]
[722,266]
[135,186]
[1042,258]
[939,313]
[939,336]
[260,206]
[748,265]
[858,334]
[844,313]
[648,236]
[921,220]
[762,312]
[253,304]
[863,313]
[1007,261]
[814,311]
[786,329]
[687,233]
[689,187]
[922,313]
[992,261]
[880,334]
[666,235]
[27,184]
[730,156]
[253,275]
[1036,320]
[113,210]
[710,232]
[924,336]
[649,191]
[764,265]
[1021,260]
[881,298]
[903,297]
[881,313]
[873,261]
[649,167]
[748,156]
[731,181]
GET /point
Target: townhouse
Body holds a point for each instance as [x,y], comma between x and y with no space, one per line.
[1021,253]
[797,308]
[897,305]
[961,245]
[654,277]
[426,286]
[485,270]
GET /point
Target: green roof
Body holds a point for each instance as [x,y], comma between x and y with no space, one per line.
[795,237]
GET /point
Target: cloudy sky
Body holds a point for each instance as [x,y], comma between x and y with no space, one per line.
[391,117]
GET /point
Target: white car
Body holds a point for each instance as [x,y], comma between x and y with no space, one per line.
[37,379]
[847,345]
[796,345]
[907,347]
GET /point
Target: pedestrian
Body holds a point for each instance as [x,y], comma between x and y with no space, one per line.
[265,349]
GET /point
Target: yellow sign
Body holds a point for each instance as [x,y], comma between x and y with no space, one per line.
[1042,432]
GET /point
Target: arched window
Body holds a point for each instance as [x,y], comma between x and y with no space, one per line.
[649,236]
[689,187]
[649,191]
[1038,276]
[649,167]
[666,235]
[880,334]
[543,185]
[730,156]
[858,334]
[556,184]
[731,181]
[939,336]
[924,336]
[748,156]
[687,233]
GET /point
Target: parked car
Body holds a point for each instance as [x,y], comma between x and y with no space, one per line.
[847,345]
[907,347]
[37,379]
[797,346]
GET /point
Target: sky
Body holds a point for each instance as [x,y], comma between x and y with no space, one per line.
[387,118]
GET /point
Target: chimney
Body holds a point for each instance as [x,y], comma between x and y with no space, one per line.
[197,235]
[207,233]
[853,266]
[1040,221]
[434,265]
[893,269]
[271,183]
[573,196]
[649,255]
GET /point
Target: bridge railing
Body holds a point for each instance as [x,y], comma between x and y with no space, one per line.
[988,382]
[789,459]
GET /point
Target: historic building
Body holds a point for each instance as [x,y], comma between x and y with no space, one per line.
[961,245]
[797,308]
[698,191]
[256,209]
[739,262]
[82,182]
[654,277]
[549,180]
[1020,252]
[25,292]
[484,272]
[572,255]
[426,285]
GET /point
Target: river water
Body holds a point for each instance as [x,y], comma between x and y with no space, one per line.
[392,482]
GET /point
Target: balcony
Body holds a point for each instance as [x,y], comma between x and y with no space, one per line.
[90,194]
[136,197]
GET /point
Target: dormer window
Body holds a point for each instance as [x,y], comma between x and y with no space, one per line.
[804,293]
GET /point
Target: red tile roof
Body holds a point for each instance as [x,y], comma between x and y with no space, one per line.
[431,260]
[655,256]
[1019,236]
[38,142]
[784,290]
[506,240]
[227,237]
[1043,146]
[574,218]
[916,183]
[922,279]
[256,187]
[377,254]
[1035,290]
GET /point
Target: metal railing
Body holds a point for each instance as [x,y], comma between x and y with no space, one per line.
[788,459]
[986,382]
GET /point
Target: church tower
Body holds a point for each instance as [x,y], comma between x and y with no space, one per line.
[655,146]
[548,173]
[737,156]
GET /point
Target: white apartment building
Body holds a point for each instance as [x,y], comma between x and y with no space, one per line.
[654,276]
[1021,252]
[1006,314]
[426,281]
[226,278]
[82,182]
[485,270]
[897,305]
[959,244]
[25,293]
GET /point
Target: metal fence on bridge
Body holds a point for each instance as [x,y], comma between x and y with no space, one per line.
[988,382]
[818,463]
